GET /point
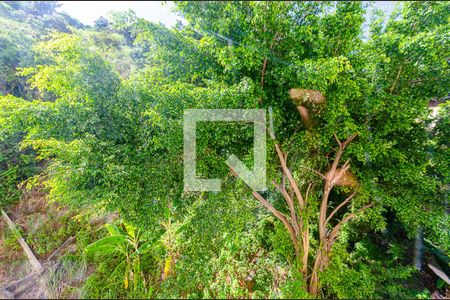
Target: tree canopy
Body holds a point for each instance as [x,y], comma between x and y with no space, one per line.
[357,163]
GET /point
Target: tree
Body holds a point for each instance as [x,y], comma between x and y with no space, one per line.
[354,167]
[101,23]
[360,92]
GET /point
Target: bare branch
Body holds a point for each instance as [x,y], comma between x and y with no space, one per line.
[310,187]
[345,220]
[289,176]
[339,153]
[290,204]
[341,172]
[280,216]
[264,68]
[349,139]
[330,180]
[347,163]
[318,173]
[337,139]
[339,206]
[277,214]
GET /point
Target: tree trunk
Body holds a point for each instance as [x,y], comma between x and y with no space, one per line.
[305,248]
[418,250]
[313,287]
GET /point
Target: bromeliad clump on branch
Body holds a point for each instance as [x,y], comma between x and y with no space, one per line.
[298,203]
[347,179]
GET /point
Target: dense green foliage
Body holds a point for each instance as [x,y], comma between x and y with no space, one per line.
[98,111]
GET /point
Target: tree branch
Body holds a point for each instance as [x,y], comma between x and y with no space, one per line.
[264,68]
[290,204]
[281,217]
[342,146]
[330,180]
[341,172]
[277,214]
[289,176]
[350,216]
[396,79]
[317,172]
[349,140]
[310,187]
[339,206]
[337,139]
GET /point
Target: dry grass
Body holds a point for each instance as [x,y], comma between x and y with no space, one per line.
[45,227]
[13,262]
